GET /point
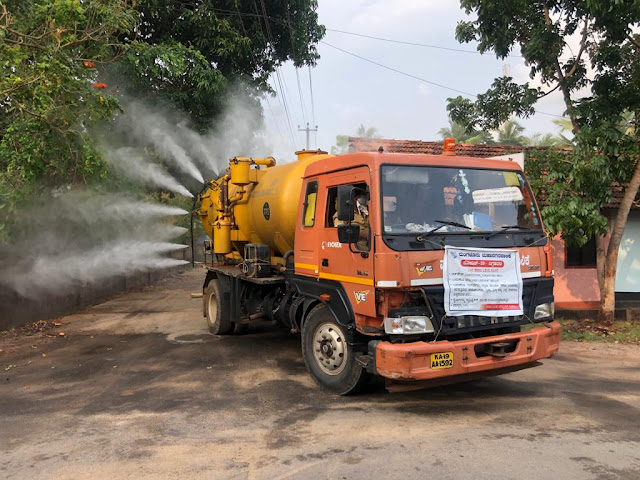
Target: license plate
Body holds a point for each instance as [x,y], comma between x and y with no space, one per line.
[442,360]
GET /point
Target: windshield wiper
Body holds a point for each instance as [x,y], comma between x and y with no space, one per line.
[453,224]
[505,228]
[420,238]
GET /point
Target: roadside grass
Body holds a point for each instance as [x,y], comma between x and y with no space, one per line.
[586,331]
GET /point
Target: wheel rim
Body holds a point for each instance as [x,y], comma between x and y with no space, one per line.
[329,349]
[212,308]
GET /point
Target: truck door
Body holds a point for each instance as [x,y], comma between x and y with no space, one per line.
[351,265]
[306,248]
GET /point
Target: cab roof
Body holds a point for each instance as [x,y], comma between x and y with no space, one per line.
[375,159]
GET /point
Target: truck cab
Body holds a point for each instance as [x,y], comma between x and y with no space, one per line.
[371,238]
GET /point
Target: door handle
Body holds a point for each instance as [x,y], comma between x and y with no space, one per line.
[325,262]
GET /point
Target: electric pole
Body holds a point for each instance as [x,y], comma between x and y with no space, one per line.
[308,130]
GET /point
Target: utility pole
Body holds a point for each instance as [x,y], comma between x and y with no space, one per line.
[308,130]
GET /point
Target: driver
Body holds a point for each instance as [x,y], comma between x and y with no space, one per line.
[361,218]
[391,215]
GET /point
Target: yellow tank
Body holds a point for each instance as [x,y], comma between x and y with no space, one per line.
[261,208]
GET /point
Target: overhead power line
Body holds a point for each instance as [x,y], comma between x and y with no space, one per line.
[415,44]
[439,47]
[399,71]
[266,97]
[313,109]
[293,51]
[473,95]
[278,77]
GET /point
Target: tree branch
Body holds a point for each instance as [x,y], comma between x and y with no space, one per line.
[549,92]
[583,44]
[6,93]
[566,94]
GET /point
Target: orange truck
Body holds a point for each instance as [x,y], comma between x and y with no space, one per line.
[422,269]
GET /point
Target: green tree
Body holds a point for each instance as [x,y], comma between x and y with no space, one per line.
[460,133]
[50,95]
[62,62]
[196,54]
[511,133]
[578,186]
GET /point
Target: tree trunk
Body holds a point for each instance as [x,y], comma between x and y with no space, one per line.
[601,262]
[607,301]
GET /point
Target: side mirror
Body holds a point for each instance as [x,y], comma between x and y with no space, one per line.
[349,233]
[345,203]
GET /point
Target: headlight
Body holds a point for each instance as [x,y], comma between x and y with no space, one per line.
[408,325]
[544,310]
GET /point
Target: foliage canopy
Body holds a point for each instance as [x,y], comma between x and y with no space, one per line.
[606,65]
[65,63]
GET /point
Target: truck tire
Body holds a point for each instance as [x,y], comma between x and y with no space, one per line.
[217,309]
[240,328]
[327,354]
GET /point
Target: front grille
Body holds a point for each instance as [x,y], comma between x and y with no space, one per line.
[534,292]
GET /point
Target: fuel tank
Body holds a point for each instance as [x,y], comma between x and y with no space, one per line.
[250,204]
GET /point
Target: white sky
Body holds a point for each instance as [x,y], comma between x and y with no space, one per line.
[349,91]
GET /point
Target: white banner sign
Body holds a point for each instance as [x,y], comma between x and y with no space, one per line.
[492,195]
[482,281]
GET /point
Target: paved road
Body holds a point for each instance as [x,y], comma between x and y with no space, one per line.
[137,388]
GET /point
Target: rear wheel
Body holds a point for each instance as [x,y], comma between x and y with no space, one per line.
[217,309]
[328,356]
[240,328]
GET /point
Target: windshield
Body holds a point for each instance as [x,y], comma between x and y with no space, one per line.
[420,199]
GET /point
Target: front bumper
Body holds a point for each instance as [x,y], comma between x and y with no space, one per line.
[412,361]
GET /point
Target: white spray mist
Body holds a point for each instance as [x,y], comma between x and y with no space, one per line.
[137,167]
[148,126]
[126,208]
[55,274]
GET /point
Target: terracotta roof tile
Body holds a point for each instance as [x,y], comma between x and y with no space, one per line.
[361,144]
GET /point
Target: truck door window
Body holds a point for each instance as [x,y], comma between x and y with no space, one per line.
[361,214]
[310,198]
[332,198]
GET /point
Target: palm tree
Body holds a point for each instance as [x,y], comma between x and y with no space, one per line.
[371,132]
[482,136]
[511,133]
[629,123]
[457,131]
[342,141]
[565,126]
[564,123]
[547,140]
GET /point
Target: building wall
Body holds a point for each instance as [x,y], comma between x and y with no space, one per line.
[575,287]
[628,272]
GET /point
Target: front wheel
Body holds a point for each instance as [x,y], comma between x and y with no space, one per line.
[327,354]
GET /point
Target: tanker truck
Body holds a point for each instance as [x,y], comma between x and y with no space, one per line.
[422,269]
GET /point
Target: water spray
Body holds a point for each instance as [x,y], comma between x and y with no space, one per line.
[130,162]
